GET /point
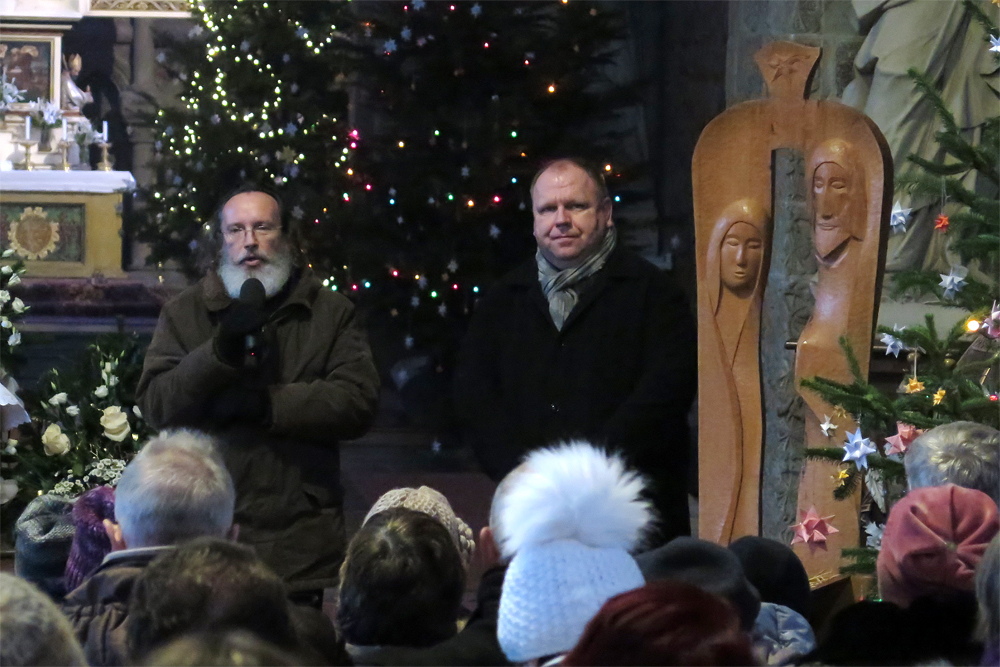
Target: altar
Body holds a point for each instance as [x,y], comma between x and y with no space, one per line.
[65,224]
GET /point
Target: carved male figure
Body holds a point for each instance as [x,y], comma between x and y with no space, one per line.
[584,339]
[278,371]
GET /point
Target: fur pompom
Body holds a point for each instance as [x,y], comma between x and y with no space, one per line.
[573,491]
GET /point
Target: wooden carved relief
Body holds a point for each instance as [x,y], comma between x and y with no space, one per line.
[849,175]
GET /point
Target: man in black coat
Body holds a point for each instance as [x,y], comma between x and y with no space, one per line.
[585,340]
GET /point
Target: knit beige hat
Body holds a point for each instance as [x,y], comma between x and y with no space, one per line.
[434,504]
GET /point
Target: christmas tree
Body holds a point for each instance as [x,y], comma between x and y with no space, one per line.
[404,136]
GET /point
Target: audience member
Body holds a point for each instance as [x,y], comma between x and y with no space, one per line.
[207,585]
[32,629]
[176,488]
[933,541]
[867,633]
[401,583]
[962,453]
[90,541]
[434,504]
[568,520]
[988,596]
[235,648]
[43,536]
[775,571]
[663,623]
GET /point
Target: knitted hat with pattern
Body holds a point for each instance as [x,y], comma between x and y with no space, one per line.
[91,542]
[43,535]
[570,517]
[434,504]
[933,541]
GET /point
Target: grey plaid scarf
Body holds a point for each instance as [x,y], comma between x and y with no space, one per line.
[559,286]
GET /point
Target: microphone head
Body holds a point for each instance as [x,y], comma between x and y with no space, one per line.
[252,293]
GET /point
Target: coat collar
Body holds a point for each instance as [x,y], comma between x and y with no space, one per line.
[303,293]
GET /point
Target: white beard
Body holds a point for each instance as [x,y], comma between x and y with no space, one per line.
[273,273]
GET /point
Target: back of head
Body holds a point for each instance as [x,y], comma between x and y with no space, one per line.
[962,453]
[401,583]
[236,648]
[175,489]
[867,633]
[33,630]
[43,537]
[933,542]
[570,518]
[663,623]
[706,565]
[90,541]
[211,585]
[775,571]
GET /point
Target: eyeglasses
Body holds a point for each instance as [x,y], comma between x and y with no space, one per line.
[259,230]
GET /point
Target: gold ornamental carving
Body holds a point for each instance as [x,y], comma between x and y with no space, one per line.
[140,5]
[33,235]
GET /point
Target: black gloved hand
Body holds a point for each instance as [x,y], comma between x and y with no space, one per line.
[236,321]
[250,406]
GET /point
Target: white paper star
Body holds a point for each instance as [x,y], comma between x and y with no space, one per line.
[874,539]
[265,128]
[452,266]
[415,301]
[828,427]
[294,88]
[421,41]
[857,449]
[893,345]
[465,171]
[418,5]
[286,58]
[442,310]
[215,119]
[476,10]
[430,200]
[392,192]
[297,212]
[301,33]
[994,44]
[399,220]
[408,342]
[406,33]
[244,46]
[494,231]
[422,281]
[194,32]
[389,46]
[161,57]
[898,218]
[291,129]
[954,281]
[991,324]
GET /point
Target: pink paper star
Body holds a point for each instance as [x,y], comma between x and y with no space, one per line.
[905,434]
[812,529]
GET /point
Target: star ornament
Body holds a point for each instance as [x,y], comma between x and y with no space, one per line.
[994,44]
[914,385]
[939,396]
[892,344]
[905,434]
[813,529]
[857,449]
[954,281]
[898,218]
[991,325]
[828,427]
[941,223]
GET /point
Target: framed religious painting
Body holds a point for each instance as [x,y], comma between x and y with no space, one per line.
[32,62]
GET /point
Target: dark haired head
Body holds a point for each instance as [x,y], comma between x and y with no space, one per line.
[207,585]
[401,582]
[593,171]
[237,648]
[663,623]
[775,571]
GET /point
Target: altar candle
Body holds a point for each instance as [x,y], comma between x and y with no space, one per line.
[104,133]
[27,128]
[65,131]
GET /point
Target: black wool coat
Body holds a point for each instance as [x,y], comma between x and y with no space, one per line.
[621,373]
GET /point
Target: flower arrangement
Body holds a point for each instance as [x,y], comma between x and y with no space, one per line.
[11,307]
[83,133]
[46,113]
[9,93]
[85,426]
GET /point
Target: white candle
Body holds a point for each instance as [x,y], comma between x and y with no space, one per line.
[65,134]
[27,128]
[104,133]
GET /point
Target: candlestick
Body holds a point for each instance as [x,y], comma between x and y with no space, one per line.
[27,128]
[105,163]
[64,147]
[26,165]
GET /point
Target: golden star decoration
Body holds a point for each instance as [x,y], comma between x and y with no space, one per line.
[841,477]
[914,385]
[286,154]
[939,396]
[840,414]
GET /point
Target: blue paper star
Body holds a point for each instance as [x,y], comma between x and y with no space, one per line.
[244,46]
[291,129]
[857,449]
[954,281]
[301,33]
[898,218]
[418,5]
[893,345]
[406,33]
[995,44]
[476,10]
[389,46]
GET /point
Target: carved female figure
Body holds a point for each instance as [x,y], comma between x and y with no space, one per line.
[736,271]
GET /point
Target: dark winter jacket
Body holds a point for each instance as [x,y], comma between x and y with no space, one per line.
[322,387]
[476,644]
[621,372]
[97,608]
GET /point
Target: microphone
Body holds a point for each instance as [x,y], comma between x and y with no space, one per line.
[252,295]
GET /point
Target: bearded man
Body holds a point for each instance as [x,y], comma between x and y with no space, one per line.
[278,380]
[584,340]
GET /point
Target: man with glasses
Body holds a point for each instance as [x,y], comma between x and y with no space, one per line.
[278,377]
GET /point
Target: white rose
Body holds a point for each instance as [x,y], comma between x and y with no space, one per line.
[101,392]
[55,441]
[9,252]
[8,489]
[14,279]
[6,270]
[115,423]
[107,367]
[73,410]
[4,322]
[17,305]
[14,339]
[59,399]
[112,380]
[4,296]
[135,410]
